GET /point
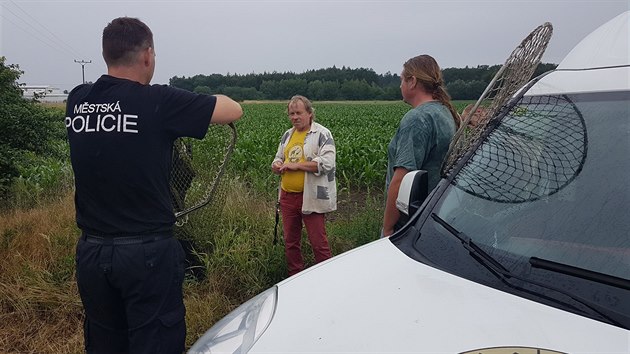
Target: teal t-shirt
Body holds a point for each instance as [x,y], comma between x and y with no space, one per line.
[421,141]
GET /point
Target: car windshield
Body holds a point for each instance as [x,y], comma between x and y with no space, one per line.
[552,181]
[544,202]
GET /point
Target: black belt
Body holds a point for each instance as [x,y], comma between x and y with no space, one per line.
[126,240]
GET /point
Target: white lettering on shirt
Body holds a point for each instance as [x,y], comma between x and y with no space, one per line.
[85,121]
[119,123]
[87,107]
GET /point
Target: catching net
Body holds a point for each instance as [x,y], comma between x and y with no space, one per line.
[197,188]
[537,149]
[515,72]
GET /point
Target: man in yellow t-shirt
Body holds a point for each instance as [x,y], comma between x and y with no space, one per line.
[293,181]
[306,162]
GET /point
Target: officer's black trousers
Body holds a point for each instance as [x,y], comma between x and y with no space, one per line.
[132,295]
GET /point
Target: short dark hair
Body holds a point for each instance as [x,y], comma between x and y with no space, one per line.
[123,38]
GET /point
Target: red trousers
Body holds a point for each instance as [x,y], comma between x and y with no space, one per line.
[292,217]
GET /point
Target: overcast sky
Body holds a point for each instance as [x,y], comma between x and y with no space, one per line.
[203,37]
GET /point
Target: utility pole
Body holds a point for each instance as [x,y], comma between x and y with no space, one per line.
[82,62]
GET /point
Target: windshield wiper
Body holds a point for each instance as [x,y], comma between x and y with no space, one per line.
[580,273]
[486,260]
[505,275]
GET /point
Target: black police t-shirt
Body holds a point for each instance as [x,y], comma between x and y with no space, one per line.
[121,135]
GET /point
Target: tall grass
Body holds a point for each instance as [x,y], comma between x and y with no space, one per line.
[245,261]
[40,310]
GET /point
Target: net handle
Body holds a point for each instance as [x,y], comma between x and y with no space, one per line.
[465,120]
[534,44]
[215,182]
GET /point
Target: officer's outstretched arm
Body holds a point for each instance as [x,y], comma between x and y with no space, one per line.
[226,110]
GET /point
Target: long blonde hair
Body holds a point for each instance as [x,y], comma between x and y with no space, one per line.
[428,74]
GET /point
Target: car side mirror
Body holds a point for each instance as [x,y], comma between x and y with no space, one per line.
[413,190]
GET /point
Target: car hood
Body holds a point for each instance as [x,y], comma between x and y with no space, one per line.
[375,299]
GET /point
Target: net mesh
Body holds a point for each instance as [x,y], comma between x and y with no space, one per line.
[515,72]
[538,148]
[197,188]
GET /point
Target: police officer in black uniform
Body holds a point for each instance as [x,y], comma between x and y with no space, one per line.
[121,131]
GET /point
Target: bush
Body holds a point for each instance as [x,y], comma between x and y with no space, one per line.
[26,128]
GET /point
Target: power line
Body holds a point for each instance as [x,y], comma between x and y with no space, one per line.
[34,36]
[54,39]
[41,35]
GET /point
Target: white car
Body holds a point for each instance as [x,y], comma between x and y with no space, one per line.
[524,248]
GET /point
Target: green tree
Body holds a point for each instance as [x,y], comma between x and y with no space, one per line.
[330,90]
[270,89]
[357,90]
[288,88]
[392,93]
[356,84]
[204,90]
[242,93]
[315,90]
[25,127]
[465,90]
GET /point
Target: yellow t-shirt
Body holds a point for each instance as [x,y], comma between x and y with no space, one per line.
[293,181]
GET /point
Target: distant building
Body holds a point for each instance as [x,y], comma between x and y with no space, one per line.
[43,93]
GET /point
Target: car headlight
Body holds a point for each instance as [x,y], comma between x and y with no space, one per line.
[238,331]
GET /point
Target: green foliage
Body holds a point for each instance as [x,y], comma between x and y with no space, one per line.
[361,132]
[333,84]
[483,73]
[323,90]
[289,87]
[242,93]
[38,177]
[9,89]
[26,128]
[357,221]
[204,90]
[244,260]
[354,90]
[460,89]
[469,83]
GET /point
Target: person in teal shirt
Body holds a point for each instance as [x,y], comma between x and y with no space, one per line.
[424,134]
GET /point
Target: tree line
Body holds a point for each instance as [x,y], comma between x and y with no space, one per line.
[331,84]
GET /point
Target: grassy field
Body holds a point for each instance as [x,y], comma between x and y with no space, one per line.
[40,310]
[361,131]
